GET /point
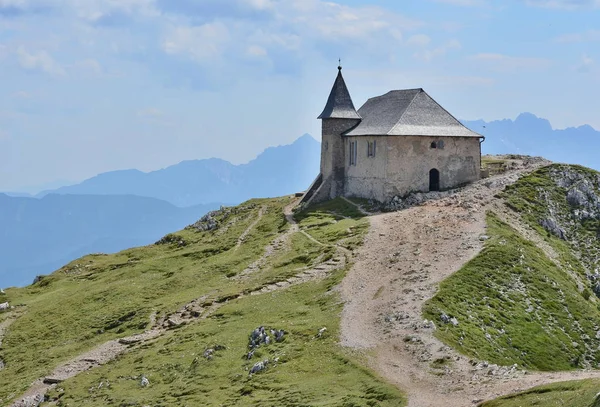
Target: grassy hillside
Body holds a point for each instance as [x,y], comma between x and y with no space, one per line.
[583,393]
[515,305]
[102,297]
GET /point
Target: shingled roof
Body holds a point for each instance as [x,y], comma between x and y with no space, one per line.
[410,112]
[339,105]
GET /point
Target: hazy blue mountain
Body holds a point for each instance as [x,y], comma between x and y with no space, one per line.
[38,236]
[277,171]
[529,134]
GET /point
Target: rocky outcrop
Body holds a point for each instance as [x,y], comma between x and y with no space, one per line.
[551,226]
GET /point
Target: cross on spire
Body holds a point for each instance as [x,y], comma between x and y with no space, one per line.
[340,64]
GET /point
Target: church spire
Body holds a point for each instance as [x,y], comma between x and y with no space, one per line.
[339,105]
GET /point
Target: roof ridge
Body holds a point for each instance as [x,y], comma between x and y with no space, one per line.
[405,110]
[450,114]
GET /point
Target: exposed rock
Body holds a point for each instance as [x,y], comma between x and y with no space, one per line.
[208,353]
[144,382]
[260,337]
[4,306]
[31,401]
[576,197]
[172,239]
[210,221]
[52,380]
[445,318]
[37,279]
[321,332]
[259,366]
[551,226]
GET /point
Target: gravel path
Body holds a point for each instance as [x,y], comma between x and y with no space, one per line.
[405,256]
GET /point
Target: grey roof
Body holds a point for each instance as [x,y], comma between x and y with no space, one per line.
[410,112]
[339,105]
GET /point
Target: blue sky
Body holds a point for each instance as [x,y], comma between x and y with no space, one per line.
[89,86]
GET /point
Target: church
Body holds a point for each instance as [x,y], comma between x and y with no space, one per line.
[395,144]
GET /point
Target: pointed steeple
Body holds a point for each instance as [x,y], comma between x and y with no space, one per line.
[339,105]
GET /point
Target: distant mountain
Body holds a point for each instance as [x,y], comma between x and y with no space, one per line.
[277,171]
[38,236]
[529,134]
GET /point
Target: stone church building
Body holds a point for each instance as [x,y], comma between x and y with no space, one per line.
[397,143]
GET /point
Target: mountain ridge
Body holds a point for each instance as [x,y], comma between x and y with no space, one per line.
[193,182]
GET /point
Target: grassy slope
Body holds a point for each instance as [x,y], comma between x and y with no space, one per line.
[515,306]
[572,394]
[524,197]
[99,297]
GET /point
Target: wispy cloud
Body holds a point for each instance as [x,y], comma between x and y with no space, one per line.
[586,64]
[430,54]
[464,3]
[507,63]
[586,36]
[39,61]
[564,4]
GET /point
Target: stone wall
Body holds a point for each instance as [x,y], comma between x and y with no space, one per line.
[333,153]
[402,163]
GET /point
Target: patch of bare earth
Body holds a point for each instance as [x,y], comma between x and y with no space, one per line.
[405,256]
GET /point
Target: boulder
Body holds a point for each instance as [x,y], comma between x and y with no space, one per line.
[551,226]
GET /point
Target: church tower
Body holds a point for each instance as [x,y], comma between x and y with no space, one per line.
[338,117]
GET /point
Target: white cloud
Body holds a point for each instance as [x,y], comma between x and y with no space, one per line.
[21,95]
[90,66]
[298,27]
[506,63]
[563,4]
[430,54]
[202,43]
[40,61]
[150,112]
[464,3]
[256,51]
[93,10]
[420,40]
[587,36]
[586,64]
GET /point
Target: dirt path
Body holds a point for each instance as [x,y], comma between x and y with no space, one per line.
[246,232]
[405,256]
[195,310]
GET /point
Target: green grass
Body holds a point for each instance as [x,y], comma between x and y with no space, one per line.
[335,222]
[515,306]
[311,371]
[102,297]
[537,196]
[572,394]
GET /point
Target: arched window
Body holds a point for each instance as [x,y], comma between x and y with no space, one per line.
[433,144]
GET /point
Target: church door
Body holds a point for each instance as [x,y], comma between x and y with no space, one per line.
[434,180]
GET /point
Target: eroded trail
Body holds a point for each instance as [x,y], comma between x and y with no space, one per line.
[193,311]
[405,256]
[246,232]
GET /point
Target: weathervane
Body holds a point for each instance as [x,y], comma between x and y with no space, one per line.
[340,64]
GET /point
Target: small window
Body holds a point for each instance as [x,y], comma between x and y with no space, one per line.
[433,145]
[371,148]
[353,152]
[440,144]
[326,145]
